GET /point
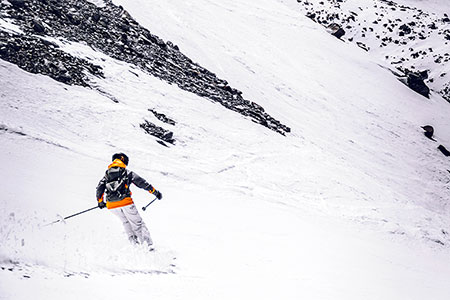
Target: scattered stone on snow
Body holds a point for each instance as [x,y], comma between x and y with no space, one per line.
[159,132]
[111,30]
[394,28]
[162,117]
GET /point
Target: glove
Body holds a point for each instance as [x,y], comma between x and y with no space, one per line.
[157,194]
[101,204]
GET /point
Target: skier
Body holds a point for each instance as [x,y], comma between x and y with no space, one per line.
[116,183]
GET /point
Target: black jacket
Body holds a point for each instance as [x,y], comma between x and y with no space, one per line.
[131,177]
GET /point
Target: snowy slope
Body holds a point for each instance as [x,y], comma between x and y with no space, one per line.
[304,79]
[430,6]
[351,205]
[408,34]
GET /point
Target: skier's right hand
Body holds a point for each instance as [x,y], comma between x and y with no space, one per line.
[101,204]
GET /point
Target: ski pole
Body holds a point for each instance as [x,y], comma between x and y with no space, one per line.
[79,213]
[145,207]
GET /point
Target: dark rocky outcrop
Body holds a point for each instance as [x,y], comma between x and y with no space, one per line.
[111,30]
[396,29]
[362,46]
[162,117]
[336,30]
[159,132]
[17,3]
[36,55]
[416,82]
[404,30]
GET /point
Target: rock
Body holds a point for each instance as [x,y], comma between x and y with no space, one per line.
[124,27]
[415,82]
[159,132]
[312,16]
[36,55]
[444,150]
[56,11]
[65,78]
[17,3]
[423,74]
[412,25]
[38,27]
[51,44]
[405,29]
[339,33]
[95,17]
[73,19]
[111,30]
[429,131]
[336,30]
[162,117]
[362,46]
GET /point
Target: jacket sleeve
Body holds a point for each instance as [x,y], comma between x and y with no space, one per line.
[101,188]
[141,183]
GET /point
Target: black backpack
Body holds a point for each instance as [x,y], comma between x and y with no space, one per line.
[117,184]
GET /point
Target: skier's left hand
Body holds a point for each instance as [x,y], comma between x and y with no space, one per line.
[157,194]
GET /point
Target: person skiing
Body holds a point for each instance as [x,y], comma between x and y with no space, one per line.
[116,184]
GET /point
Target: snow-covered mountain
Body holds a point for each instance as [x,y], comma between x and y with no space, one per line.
[410,35]
[328,189]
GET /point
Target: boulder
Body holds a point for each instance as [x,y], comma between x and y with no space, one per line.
[336,30]
[405,29]
[415,82]
[429,131]
[38,27]
[444,150]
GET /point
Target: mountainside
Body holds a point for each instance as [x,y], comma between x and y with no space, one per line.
[412,36]
[339,195]
[114,32]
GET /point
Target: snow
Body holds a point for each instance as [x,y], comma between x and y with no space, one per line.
[348,206]
[8,26]
[99,3]
[377,24]
[432,6]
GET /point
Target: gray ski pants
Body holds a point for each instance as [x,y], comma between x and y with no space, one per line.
[134,225]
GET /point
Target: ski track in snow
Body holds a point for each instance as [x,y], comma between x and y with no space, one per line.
[352,205]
